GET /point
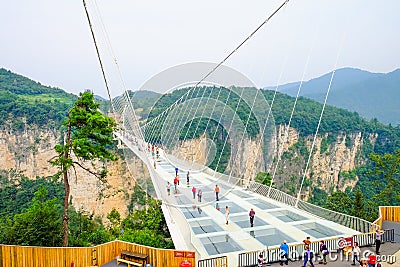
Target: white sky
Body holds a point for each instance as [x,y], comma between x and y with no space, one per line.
[50,42]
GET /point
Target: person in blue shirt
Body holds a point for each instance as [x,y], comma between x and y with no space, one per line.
[284,253]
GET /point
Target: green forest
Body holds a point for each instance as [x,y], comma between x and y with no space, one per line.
[31,214]
[25,102]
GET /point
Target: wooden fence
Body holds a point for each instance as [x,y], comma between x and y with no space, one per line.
[388,213]
[29,256]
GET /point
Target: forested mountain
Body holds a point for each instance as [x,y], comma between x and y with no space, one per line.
[24,101]
[372,95]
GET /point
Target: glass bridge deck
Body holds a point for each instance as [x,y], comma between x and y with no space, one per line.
[211,236]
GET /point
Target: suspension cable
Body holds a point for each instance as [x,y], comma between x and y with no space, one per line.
[286,134]
[269,112]
[236,49]
[98,54]
[319,123]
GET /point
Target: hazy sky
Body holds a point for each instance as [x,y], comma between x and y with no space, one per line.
[50,41]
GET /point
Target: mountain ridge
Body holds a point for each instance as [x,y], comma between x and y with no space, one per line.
[372,95]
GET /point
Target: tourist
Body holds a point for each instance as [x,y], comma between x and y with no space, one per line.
[199,194]
[371,260]
[187,178]
[307,242]
[227,214]
[364,262]
[175,184]
[308,255]
[194,192]
[252,213]
[169,188]
[284,253]
[176,171]
[260,261]
[216,192]
[378,239]
[324,251]
[356,254]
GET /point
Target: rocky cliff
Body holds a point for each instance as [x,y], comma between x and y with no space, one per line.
[331,156]
[30,150]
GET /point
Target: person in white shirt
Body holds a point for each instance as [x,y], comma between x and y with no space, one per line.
[356,254]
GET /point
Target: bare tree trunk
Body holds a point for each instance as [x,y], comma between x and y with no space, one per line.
[66,188]
[65,214]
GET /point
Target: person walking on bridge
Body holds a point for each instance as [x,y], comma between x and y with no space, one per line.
[169,188]
[308,256]
[199,194]
[252,213]
[175,183]
[378,238]
[356,254]
[284,253]
[216,192]
[227,212]
[194,192]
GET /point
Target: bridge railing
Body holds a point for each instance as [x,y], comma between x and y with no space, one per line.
[296,251]
[349,221]
[213,262]
[273,193]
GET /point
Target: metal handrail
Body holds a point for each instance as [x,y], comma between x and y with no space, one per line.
[349,221]
[213,262]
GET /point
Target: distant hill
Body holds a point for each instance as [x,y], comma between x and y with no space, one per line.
[372,95]
[24,101]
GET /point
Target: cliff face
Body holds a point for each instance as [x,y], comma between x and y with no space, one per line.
[246,160]
[330,157]
[29,151]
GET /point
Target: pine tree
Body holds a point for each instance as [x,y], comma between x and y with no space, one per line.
[88,135]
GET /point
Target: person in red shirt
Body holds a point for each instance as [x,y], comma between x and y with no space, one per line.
[372,260]
[175,183]
[307,242]
[194,192]
[216,193]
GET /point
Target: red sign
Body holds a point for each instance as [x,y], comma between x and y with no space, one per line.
[345,242]
[189,254]
[179,253]
[185,264]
